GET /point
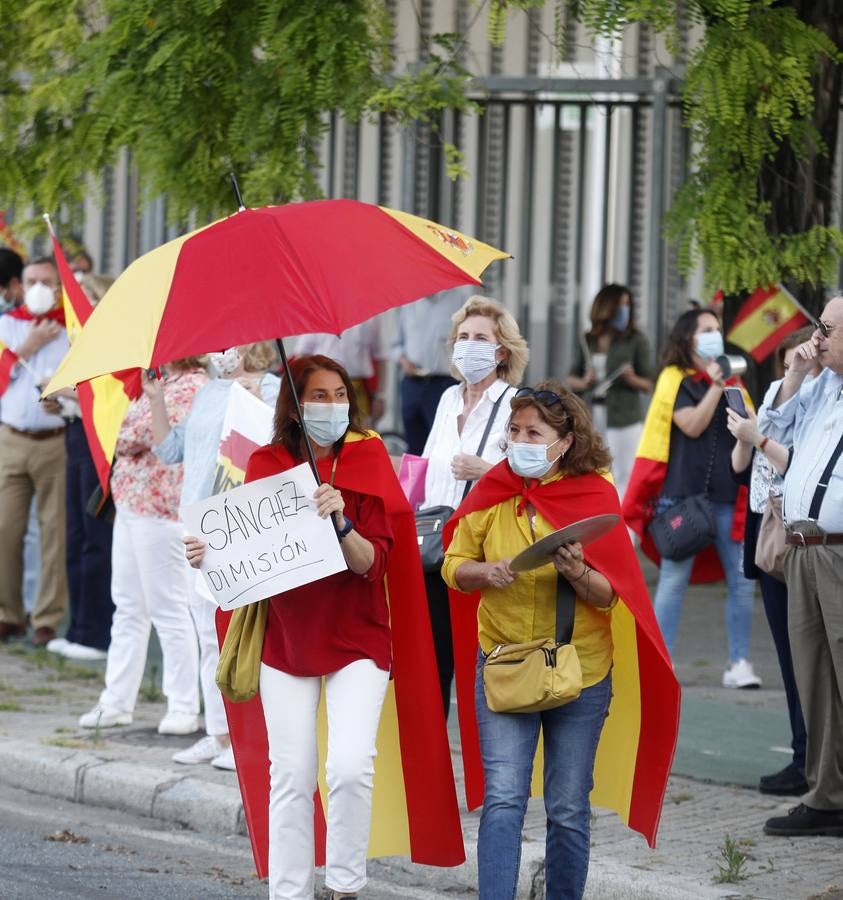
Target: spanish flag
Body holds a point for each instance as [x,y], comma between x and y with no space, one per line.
[650,469]
[638,741]
[764,320]
[414,804]
[103,400]
[8,358]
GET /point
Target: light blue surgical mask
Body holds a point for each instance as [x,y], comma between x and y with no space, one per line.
[620,320]
[710,344]
[530,460]
[326,423]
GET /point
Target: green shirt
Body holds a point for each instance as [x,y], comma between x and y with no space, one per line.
[623,403]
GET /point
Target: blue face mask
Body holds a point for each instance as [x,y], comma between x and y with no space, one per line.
[530,460]
[710,344]
[326,423]
[620,320]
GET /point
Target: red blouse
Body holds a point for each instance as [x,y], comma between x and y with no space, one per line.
[323,626]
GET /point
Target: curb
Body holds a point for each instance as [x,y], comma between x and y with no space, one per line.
[86,778]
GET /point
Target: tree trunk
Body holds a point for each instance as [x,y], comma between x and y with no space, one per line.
[800,189]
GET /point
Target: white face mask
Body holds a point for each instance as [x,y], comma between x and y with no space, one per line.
[39,299]
[326,423]
[474,360]
[226,363]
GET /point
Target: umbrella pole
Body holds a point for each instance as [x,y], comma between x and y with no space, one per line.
[288,375]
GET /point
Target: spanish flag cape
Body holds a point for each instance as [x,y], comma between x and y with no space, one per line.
[415,809]
[639,738]
[650,470]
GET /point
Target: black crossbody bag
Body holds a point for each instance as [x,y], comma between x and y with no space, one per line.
[431,520]
[687,527]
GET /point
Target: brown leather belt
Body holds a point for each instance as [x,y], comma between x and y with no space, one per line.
[36,435]
[798,540]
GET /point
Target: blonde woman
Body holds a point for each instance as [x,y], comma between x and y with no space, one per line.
[195,442]
[488,356]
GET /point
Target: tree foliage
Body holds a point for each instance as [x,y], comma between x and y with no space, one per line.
[195,89]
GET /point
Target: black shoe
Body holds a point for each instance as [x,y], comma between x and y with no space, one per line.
[790,782]
[804,820]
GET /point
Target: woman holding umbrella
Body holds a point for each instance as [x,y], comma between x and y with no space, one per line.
[339,629]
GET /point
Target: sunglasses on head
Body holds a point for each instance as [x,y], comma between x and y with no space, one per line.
[546,398]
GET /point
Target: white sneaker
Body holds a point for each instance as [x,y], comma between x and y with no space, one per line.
[80,651]
[57,645]
[225,760]
[178,723]
[740,675]
[203,751]
[103,717]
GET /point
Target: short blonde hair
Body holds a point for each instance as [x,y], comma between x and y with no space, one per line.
[512,368]
[260,356]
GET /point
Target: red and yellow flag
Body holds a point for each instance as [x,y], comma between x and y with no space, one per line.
[764,320]
[650,470]
[7,236]
[8,358]
[103,400]
[637,742]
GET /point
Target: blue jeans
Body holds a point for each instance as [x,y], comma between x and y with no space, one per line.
[508,745]
[674,577]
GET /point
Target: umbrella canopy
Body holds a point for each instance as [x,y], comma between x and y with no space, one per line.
[267,273]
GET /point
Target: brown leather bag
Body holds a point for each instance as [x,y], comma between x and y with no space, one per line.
[770,547]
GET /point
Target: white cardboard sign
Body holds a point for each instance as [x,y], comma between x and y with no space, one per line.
[263,538]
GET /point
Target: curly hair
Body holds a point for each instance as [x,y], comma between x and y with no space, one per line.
[587,452]
[260,356]
[286,427]
[510,369]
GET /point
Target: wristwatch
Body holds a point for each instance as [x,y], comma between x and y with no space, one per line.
[346,528]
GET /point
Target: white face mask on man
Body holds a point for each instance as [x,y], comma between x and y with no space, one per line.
[39,299]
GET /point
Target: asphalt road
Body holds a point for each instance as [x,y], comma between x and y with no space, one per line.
[54,850]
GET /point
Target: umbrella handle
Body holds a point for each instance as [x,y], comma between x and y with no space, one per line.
[289,376]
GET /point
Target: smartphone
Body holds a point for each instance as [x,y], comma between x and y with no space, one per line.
[734,399]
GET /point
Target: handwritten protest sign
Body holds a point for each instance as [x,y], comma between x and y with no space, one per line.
[263,538]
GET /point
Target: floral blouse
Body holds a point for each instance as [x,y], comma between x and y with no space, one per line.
[139,481]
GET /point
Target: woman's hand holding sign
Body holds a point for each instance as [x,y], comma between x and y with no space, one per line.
[194,550]
[329,502]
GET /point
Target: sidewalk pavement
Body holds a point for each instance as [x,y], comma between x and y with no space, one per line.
[42,750]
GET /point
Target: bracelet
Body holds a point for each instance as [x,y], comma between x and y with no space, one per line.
[763,444]
[585,570]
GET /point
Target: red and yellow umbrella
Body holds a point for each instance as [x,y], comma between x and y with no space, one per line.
[267,273]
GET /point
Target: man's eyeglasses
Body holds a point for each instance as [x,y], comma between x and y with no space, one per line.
[823,327]
[546,398]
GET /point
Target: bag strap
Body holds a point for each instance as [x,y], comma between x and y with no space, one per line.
[822,484]
[566,602]
[486,432]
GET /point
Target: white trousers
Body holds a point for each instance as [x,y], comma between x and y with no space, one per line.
[622,443]
[203,612]
[353,696]
[150,585]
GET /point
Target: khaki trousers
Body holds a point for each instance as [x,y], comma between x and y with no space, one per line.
[814,576]
[32,467]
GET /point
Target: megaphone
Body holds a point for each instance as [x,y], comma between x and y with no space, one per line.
[731,365]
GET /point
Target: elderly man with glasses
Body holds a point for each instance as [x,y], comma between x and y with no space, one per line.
[807,414]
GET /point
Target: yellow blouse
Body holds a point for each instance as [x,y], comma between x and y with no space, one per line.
[526,609]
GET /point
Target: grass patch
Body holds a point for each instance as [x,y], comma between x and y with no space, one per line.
[43,691]
[74,743]
[680,798]
[150,692]
[734,860]
[10,706]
